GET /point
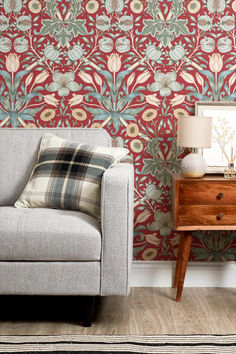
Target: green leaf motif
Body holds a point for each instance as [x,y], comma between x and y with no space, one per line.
[153,7]
[94,111]
[75,7]
[201,253]
[179,27]
[51,7]
[49,27]
[77,27]
[165,37]
[63,37]
[150,166]
[177,7]
[134,111]
[3,114]
[165,31]
[7,77]
[63,30]
[5,102]
[151,27]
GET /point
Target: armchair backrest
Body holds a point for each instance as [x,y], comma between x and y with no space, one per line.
[19,150]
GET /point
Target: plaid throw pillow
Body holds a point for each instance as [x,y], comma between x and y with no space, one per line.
[68,175]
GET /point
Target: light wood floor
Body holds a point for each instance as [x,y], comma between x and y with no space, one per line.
[146,311]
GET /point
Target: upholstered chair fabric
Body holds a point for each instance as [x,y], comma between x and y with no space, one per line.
[63,252]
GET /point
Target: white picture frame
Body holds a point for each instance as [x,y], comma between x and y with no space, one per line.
[214,156]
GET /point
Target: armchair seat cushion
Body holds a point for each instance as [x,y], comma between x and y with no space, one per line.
[48,235]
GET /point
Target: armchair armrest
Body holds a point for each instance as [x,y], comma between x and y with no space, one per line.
[117,229]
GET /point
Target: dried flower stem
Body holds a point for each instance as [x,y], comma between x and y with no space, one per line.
[234,157]
[223,150]
[224,135]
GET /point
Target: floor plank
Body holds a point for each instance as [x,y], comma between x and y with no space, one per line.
[146,311]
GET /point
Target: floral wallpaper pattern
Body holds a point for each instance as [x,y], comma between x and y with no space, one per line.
[131,67]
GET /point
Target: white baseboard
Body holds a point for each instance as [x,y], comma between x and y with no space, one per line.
[199,274]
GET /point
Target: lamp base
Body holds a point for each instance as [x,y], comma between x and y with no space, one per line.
[193,165]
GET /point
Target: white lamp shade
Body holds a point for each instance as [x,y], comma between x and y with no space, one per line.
[194,132]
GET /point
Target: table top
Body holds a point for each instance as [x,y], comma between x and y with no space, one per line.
[206,177]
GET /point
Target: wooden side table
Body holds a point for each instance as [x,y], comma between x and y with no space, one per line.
[207,203]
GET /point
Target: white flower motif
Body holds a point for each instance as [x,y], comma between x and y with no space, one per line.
[63,83]
[165,83]
[162,223]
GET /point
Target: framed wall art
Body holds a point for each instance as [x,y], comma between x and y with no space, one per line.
[223,149]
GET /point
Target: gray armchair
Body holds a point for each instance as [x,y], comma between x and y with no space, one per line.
[63,252]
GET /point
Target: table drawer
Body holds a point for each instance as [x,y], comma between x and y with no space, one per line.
[207,193]
[207,215]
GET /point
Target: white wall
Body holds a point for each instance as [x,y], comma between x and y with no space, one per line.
[199,274]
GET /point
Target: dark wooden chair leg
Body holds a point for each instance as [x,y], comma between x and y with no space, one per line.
[88,311]
[179,260]
[185,257]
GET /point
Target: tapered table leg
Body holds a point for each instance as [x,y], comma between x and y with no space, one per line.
[185,257]
[179,260]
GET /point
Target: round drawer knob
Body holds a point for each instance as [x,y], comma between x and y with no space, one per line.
[220,195]
[220,216]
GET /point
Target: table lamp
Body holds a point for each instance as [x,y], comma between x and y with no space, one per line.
[194,132]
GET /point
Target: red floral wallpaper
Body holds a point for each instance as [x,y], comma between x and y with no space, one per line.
[131,67]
